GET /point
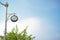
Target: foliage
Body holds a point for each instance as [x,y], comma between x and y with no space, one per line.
[14,35]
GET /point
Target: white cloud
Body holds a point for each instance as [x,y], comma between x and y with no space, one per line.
[41,29]
[32,24]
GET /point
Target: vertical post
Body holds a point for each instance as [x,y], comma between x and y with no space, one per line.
[6,5]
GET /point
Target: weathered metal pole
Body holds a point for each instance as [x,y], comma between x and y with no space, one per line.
[6,5]
[14,18]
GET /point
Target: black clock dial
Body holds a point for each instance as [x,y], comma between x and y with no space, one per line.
[14,18]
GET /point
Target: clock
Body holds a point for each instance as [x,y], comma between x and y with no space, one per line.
[14,18]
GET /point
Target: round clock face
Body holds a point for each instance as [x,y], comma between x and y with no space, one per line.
[14,18]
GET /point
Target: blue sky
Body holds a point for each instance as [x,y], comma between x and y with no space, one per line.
[46,11]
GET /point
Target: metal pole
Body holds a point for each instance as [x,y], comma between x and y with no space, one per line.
[6,5]
[5,25]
